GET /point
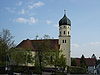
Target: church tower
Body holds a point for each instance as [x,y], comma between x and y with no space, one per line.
[64,37]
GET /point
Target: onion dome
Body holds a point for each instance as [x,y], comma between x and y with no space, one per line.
[65,21]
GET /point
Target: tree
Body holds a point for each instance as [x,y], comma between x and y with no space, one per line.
[3,53]
[29,57]
[46,36]
[36,37]
[41,54]
[82,62]
[50,57]
[62,62]
[46,55]
[98,61]
[18,57]
[45,51]
[93,56]
[6,43]
[21,57]
[73,62]
[6,37]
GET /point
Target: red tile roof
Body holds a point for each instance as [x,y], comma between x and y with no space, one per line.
[89,61]
[33,44]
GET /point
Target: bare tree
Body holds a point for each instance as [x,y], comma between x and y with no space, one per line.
[6,44]
[46,36]
[6,37]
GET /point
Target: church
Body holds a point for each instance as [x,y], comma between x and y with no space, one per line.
[62,43]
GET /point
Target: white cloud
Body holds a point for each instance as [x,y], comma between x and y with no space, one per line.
[25,9]
[12,10]
[30,20]
[35,5]
[22,11]
[21,20]
[87,49]
[48,22]
[19,3]
[94,43]
[75,45]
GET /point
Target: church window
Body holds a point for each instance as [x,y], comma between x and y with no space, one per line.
[63,41]
[68,32]
[64,32]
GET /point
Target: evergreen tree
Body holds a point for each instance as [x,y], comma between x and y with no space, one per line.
[82,62]
[93,56]
[73,62]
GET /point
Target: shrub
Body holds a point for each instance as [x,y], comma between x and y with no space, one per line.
[76,70]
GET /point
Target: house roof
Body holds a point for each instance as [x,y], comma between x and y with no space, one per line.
[89,61]
[37,44]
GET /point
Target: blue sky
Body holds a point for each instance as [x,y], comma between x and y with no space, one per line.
[28,18]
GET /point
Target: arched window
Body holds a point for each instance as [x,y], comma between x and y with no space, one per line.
[64,32]
[68,32]
[65,41]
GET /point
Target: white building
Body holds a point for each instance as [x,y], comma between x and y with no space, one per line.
[63,43]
